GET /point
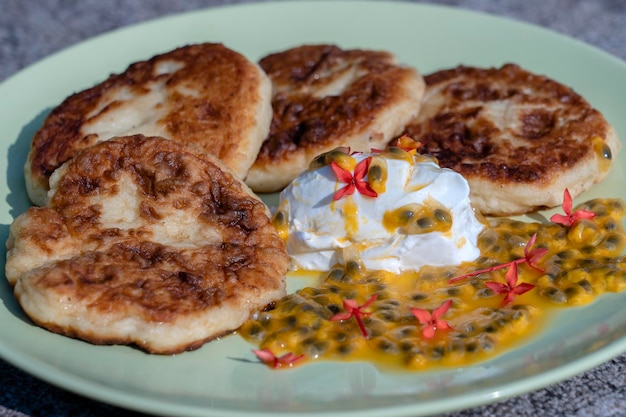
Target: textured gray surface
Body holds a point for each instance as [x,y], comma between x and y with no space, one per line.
[33,29]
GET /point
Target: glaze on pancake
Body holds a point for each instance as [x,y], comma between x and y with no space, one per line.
[325,97]
[519,138]
[203,95]
[145,242]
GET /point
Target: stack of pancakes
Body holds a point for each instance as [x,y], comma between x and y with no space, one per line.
[149,231]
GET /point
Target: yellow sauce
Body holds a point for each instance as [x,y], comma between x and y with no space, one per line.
[418,218]
[377,175]
[351,217]
[603,152]
[280,220]
[582,262]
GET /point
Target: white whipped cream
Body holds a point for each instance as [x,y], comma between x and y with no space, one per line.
[323,232]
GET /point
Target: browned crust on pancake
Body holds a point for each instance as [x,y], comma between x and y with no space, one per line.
[114,273]
[552,133]
[305,124]
[217,118]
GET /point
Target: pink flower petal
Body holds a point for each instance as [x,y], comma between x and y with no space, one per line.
[344,192]
[341,316]
[429,331]
[560,219]
[423,316]
[442,325]
[441,310]
[522,288]
[567,202]
[342,174]
[366,189]
[497,287]
[266,356]
[361,168]
[511,276]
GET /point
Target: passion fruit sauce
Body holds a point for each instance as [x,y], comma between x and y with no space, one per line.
[582,262]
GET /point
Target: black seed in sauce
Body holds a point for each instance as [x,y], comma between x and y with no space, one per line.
[255,330]
[453,291]
[554,294]
[290,321]
[425,223]
[484,293]
[442,216]
[334,289]
[337,275]
[344,349]
[610,225]
[334,308]
[386,345]
[571,292]
[353,268]
[490,328]
[613,241]
[486,342]
[586,286]
[375,173]
[340,336]
[419,297]
[406,346]
[437,352]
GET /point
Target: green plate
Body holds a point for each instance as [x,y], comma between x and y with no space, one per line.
[223,378]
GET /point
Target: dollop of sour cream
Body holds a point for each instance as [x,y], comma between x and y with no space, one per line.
[421,214]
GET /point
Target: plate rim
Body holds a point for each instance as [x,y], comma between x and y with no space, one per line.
[599,356]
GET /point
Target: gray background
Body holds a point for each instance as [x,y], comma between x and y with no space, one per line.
[33,29]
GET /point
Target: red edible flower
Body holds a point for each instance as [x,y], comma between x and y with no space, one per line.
[570,218]
[267,357]
[432,321]
[353,309]
[511,288]
[353,182]
[531,256]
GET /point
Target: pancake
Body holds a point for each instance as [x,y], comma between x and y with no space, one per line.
[325,97]
[203,95]
[145,243]
[518,138]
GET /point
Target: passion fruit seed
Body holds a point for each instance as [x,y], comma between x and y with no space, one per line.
[425,223]
[554,294]
[280,218]
[393,152]
[443,216]
[354,268]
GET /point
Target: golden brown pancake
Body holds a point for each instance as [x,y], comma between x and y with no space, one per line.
[145,242]
[325,97]
[202,95]
[518,138]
